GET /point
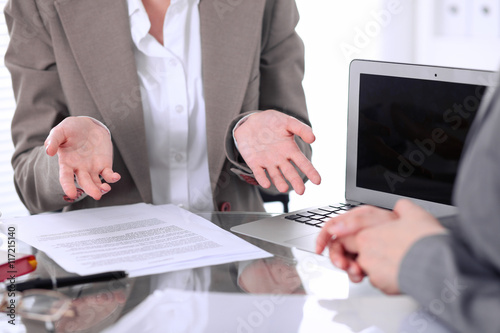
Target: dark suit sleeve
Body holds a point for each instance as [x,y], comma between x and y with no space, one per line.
[456,276]
[452,284]
[40,106]
[281,74]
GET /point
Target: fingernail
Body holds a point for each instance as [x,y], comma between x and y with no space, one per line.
[104,191]
[68,199]
[353,272]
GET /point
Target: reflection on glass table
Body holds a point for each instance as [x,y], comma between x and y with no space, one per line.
[294,291]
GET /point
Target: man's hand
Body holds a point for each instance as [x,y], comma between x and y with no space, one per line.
[266,143]
[375,241]
[84,150]
[339,235]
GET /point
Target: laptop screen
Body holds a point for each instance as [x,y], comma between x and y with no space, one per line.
[411,134]
[407,126]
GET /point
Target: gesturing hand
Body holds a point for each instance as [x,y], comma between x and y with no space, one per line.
[84,150]
[266,143]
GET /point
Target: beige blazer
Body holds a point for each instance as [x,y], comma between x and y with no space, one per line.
[75,57]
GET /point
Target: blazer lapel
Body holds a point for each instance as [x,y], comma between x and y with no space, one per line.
[230,36]
[99,35]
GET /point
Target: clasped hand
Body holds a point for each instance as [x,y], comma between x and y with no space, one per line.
[266,141]
[373,241]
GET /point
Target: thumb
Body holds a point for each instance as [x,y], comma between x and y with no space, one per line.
[55,138]
[406,207]
[358,219]
[304,131]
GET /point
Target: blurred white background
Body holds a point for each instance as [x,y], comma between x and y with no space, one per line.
[460,33]
[456,33]
[328,29]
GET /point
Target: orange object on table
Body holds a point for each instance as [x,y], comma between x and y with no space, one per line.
[13,265]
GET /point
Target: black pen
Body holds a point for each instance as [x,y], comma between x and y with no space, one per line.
[67,281]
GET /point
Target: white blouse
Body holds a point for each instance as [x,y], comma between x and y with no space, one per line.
[174,107]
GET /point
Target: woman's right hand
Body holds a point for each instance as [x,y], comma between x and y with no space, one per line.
[85,153]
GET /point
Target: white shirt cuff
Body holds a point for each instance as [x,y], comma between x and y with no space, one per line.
[238,124]
[98,123]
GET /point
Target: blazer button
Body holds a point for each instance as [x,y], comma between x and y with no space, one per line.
[225,207]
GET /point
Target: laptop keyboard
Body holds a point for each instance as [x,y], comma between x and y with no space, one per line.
[319,216]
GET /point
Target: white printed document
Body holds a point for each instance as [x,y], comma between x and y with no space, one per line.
[141,239]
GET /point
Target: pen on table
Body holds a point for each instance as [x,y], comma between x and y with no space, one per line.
[67,281]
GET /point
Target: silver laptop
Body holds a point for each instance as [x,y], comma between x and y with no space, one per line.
[406,128]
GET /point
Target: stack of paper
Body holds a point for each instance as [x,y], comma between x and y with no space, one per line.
[141,239]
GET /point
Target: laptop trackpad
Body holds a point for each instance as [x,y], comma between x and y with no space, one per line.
[307,243]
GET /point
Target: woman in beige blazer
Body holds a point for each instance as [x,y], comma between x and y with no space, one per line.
[75,58]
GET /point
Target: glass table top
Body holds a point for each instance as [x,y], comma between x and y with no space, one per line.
[292,291]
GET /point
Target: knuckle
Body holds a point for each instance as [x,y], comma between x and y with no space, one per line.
[363,238]
[356,219]
[365,210]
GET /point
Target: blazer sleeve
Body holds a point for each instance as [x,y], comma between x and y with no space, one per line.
[456,277]
[281,74]
[40,106]
[451,284]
